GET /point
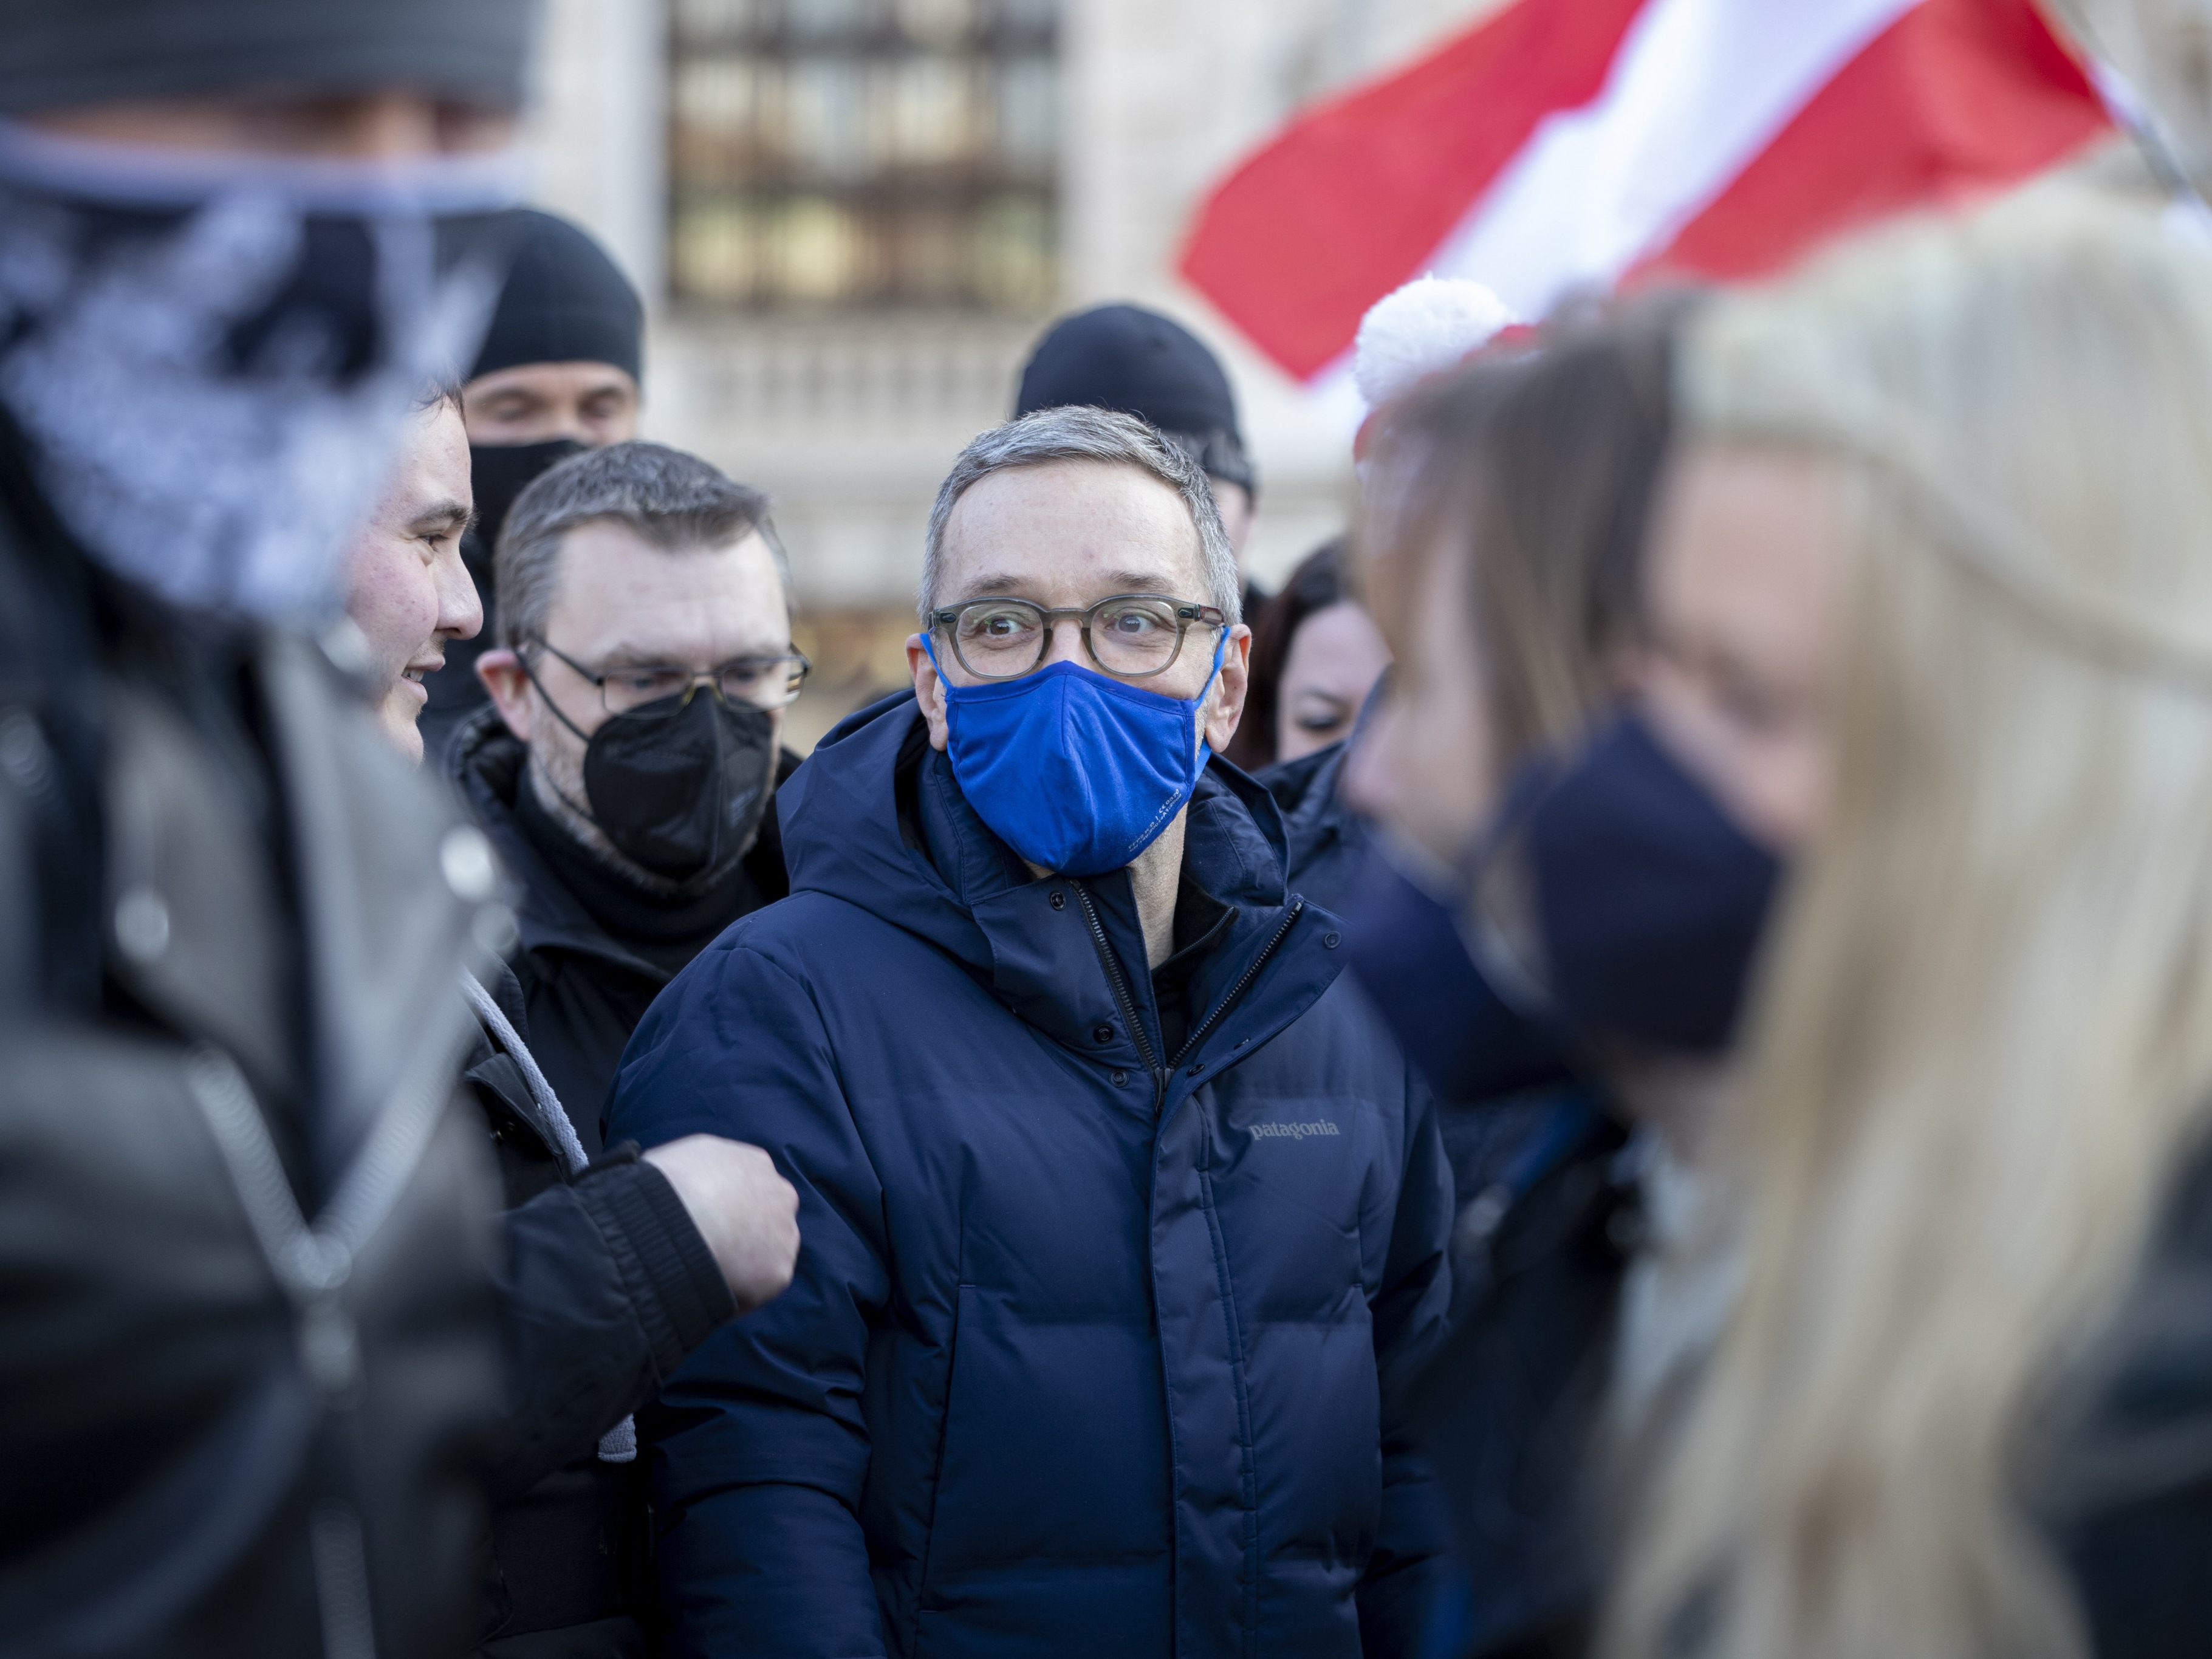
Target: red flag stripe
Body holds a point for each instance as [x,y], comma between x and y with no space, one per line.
[1955,98]
[1379,177]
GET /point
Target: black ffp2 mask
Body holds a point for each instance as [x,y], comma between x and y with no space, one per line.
[681,794]
[500,472]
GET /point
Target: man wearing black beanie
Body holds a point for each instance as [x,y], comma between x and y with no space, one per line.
[1128,358]
[559,373]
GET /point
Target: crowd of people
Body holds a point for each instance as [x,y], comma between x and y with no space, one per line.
[1621,1069]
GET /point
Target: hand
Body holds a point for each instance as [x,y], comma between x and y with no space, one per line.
[747,1212]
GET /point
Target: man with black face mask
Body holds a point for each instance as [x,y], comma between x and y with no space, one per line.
[559,373]
[626,772]
[247,1350]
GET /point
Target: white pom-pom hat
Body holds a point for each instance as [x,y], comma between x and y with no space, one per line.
[1422,329]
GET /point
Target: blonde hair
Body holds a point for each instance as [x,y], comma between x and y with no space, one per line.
[1987,1037]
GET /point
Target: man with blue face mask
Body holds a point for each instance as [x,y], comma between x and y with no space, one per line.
[247,1345]
[1121,1215]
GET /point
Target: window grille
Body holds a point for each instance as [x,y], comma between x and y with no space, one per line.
[843,153]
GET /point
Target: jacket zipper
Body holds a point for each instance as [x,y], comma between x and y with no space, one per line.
[1119,984]
[312,1263]
[1243,984]
[1128,1004]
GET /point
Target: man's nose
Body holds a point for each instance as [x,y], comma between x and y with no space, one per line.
[1064,642]
[461,607]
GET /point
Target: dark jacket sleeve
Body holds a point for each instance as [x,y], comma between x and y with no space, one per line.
[606,1285]
[758,1445]
[605,1288]
[1405,1572]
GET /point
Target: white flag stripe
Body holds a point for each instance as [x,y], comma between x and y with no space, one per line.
[1696,90]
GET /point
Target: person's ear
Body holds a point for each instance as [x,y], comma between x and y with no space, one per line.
[1224,703]
[929,691]
[502,675]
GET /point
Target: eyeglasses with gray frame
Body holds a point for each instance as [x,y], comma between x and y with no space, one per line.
[763,683]
[1133,635]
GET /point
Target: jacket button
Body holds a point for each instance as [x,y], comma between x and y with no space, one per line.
[1101,1034]
[1329,941]
[1059,901]
[1120,1079]
[1196,1069]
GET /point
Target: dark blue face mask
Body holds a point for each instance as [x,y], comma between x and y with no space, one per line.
[1075,770]
[1405,947]
[1647,901]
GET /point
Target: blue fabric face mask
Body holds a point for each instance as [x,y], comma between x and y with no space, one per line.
[1075,770]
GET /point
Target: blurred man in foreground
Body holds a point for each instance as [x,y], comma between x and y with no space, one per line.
[615,1269]
[628,774]
[247,1356]
[559,373]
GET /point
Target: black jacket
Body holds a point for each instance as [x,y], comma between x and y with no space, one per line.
[2125,1492]
[1507,1411]
[583,987]
[231,921]
[606,1286]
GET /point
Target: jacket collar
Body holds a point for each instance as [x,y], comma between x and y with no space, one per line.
[1314,814]
[876,818]
[487,764]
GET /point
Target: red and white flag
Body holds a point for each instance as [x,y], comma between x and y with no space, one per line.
[1567,143]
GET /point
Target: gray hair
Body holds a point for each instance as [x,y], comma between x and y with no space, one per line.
[1075,433]
[676,501]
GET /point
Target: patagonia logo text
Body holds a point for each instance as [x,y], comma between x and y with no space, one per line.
[1294,1131]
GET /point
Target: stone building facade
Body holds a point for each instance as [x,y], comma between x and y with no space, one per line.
[852,217]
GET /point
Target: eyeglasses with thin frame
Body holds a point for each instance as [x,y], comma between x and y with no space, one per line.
[763,683]
[1133,635]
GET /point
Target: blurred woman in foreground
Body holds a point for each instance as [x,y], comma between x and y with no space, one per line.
[1964,1406]
[1502,535]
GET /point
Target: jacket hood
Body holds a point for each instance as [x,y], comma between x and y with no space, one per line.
[1314,816]
[486,763]
[875,819]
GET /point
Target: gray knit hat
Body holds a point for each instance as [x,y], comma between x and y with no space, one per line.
[54,54]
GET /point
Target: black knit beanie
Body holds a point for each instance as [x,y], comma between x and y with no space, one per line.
[1124,357]
[57,54]
[564,302]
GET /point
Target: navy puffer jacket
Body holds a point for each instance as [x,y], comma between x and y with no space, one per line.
[1087,1353]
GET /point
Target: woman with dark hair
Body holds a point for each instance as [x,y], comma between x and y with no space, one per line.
[1501,531]
[1316,655]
